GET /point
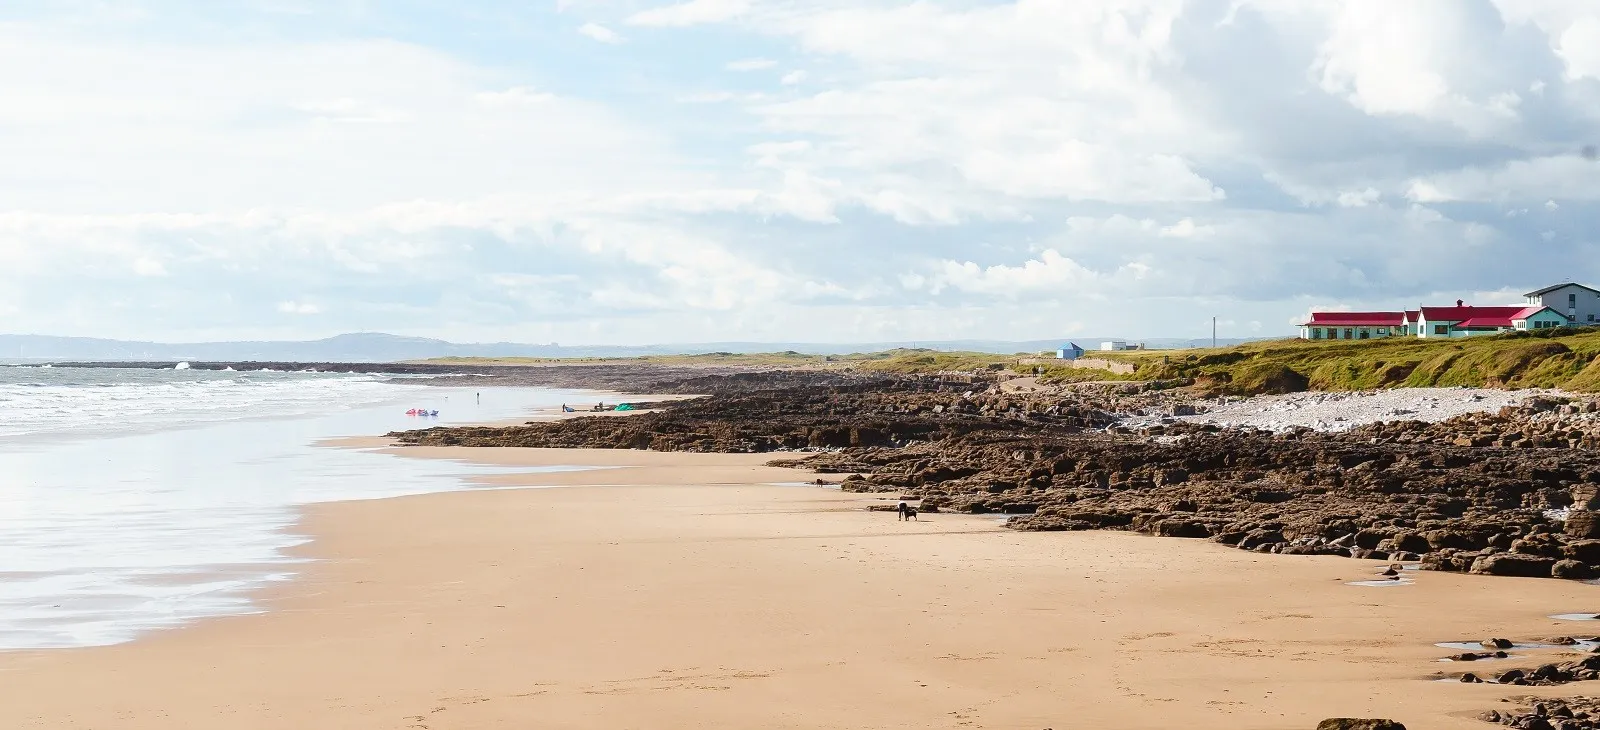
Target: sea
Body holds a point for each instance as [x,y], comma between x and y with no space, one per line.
[137,500]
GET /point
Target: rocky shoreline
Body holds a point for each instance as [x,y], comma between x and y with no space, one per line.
[1503,493]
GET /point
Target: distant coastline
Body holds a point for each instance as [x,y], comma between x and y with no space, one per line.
[372,347]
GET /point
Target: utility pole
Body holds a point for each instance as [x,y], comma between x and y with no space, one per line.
[1213,333]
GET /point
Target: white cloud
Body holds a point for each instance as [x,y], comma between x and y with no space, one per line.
[1562,176]
[708,97]
[751,64]
[1359,198]
[325,125]
[293,307]
[600,33]
[1453,63]
[1186,228]
[513,98]
[693,12]
[946,169]
[1049,272]
[145,266]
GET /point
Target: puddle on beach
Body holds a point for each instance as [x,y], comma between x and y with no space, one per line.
[1383,582]
[802,484]
[1576,616]
[1582,645]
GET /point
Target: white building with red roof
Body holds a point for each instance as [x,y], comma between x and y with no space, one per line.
[1352,325]
[1460,320]
[1465,321]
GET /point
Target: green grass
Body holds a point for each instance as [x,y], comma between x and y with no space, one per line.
[926,362]
[1560,358]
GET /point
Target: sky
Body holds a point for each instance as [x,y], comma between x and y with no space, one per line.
[647,171]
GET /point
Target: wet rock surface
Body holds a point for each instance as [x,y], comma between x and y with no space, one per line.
[1501,494]
[1544,675]
[1532,713]
[785,411]
[1348,723]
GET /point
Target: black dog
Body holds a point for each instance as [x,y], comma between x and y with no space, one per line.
[907,512]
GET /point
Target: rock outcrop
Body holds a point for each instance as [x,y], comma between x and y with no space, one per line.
[1503,494]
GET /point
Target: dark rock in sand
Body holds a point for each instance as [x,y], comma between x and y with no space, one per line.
[1571,570]
[1513,564]
[1346,723]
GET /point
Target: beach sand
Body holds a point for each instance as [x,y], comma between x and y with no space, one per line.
[688,594]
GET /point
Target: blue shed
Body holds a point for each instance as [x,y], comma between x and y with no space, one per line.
[1069,351]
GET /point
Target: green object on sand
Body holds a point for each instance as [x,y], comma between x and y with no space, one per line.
[625,407]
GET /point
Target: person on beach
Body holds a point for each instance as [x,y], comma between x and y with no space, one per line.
[905,511]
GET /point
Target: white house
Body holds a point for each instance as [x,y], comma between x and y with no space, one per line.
[1115,345]
[1578,303]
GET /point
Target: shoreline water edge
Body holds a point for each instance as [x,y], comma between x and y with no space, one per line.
[669,594]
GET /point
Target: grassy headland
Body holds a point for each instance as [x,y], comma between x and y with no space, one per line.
[1560,358]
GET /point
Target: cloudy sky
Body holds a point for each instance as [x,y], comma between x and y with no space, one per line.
[630,171]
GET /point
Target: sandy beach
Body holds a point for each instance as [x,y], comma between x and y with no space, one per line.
[689,592]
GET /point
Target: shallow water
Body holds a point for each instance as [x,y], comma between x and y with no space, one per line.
[1477,646]
[109,532]
[1382,582]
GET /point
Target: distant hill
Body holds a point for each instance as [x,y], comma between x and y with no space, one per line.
[380,347]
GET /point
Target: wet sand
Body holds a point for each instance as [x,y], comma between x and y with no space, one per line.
[686,593]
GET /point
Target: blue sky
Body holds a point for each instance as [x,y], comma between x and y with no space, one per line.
[631,171]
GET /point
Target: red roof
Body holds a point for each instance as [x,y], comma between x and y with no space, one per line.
[1479,316]
[1496,320]
[1356,319]
[1412,315]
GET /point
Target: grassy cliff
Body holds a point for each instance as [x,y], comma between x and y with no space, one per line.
[1559,358]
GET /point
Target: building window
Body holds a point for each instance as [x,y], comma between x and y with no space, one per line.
[1572,300]
[1591,318]
[1347,333]
[1316,333]
[1441,329]
[1383,330]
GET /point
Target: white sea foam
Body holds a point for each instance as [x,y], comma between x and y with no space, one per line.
[134,500]
[99,401]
